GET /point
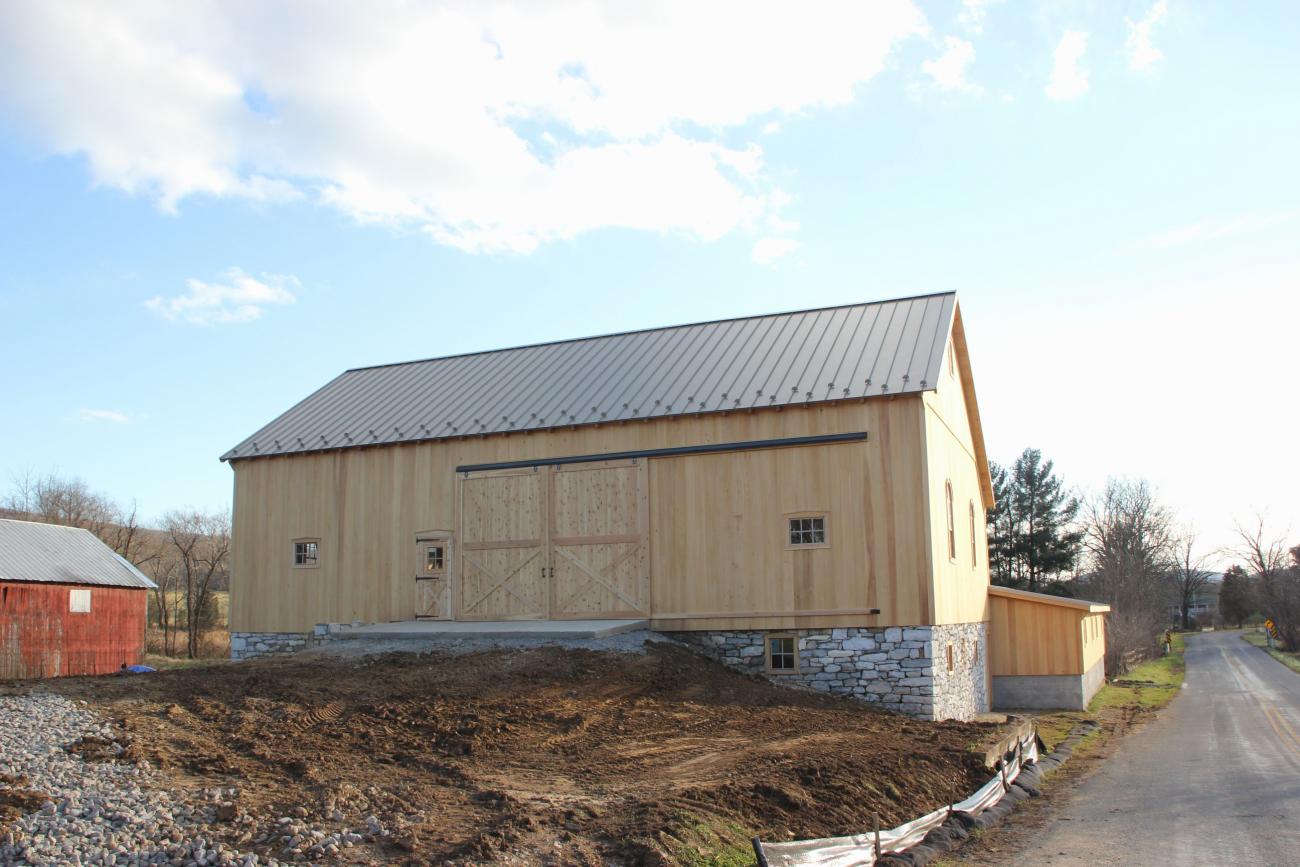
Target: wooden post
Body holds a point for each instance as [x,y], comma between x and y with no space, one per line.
[875,823]
[758,852]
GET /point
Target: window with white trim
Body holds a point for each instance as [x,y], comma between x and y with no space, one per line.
[79,600]
[306,553]
[808,530]
[952,528]
[972,533]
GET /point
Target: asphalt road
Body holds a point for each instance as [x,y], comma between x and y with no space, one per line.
[1214,780]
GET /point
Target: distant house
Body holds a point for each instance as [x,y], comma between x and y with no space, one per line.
[69,605]
[801,495]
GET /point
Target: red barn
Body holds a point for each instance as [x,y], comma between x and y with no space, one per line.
[68,604]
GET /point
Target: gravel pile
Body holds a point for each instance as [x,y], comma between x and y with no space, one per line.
[96,812]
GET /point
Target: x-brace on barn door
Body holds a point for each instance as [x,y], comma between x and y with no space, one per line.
[554,542]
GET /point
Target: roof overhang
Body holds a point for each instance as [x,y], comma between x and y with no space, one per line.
[1081,605]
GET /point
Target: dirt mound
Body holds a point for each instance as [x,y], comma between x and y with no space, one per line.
[562,756]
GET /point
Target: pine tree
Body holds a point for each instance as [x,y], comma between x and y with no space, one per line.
[1236,596]
[1001,528]
[1031,540]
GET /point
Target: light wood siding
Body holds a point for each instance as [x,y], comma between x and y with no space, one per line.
[719,527]
[960,587]
[1093,628]
[1027,637]
[503,546]
[367,505]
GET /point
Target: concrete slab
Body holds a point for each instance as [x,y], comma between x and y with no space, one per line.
[543,630]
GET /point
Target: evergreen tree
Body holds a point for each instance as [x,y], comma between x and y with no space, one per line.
[1031,540]
[1001,528]
[1236,596]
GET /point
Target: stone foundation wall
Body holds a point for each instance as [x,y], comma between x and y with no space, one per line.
[963,692]
[902,669]
[248,645]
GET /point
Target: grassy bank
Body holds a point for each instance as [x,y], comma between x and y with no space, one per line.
[1147,688]
[1290,660]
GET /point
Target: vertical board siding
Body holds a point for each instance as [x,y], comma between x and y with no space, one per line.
[961,589]
[40,637]
[1028,637]
[714,520]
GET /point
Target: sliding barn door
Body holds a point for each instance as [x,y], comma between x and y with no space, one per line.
[599,555]
[504,571]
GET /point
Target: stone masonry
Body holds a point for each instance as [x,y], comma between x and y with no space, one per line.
[902,669]
[247,645]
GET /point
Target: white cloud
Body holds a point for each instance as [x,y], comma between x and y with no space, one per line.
[767,250]
[973,14]
[239,298]
[1217,229]
[103,415]
[491,126]
[948,70]
[1069,77]
[1141,53]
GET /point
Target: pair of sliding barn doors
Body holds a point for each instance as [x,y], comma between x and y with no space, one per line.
[554,542]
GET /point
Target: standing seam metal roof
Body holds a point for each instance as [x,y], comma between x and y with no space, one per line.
[53,554]
[782,359]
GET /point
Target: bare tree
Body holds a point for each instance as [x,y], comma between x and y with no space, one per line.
[202,547]
[164,569]
[53,499]
[1277,573]
[1128,538]
[1189,575]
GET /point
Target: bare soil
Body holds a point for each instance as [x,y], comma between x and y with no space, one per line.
[550,756]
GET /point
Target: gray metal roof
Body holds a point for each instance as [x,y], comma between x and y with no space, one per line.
[51,554]
[834,353]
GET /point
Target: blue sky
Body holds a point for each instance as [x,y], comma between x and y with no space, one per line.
[209,211]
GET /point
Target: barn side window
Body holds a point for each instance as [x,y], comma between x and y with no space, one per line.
[972,532]
[79,600]
[952,529]
[808,531]
[782,654]
[306,553]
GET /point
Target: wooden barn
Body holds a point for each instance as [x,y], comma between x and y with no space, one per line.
[69,605]
[801,495]
[1047,651]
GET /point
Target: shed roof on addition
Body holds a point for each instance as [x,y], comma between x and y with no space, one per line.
[53,554]
[782,359]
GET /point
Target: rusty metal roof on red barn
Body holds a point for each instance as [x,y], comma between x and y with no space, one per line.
[53,554]
[836,353]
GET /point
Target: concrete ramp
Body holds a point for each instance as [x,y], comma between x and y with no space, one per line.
[433,630]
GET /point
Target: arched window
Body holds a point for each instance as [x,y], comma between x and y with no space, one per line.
[952,524]
[972,532]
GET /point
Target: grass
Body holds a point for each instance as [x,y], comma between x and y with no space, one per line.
[1153,684]
[704,846]
[1148,687]
[1289,659]
[162,663]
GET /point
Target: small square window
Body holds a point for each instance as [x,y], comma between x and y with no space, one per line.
[79,600]
[433,559]
[782,654]
[305,554]
[808,531]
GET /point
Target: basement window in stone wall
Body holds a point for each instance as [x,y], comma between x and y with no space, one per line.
[306,553]
[808,530]
[782,654]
